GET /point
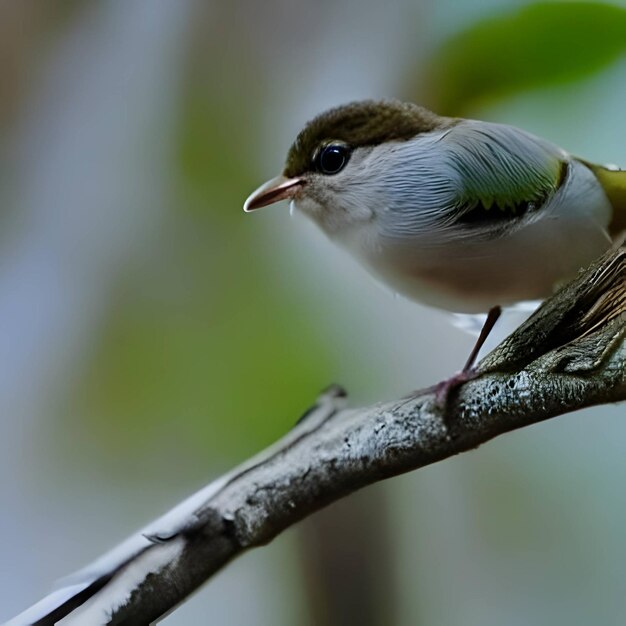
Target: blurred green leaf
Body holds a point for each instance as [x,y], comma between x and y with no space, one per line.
[204,349]
[214,162]
[541,44]
[208,354]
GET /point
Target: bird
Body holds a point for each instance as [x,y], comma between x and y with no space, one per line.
[464,215]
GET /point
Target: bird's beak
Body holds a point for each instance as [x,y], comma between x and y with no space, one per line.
[279,188]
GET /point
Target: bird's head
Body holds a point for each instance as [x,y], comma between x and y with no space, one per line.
[341,165]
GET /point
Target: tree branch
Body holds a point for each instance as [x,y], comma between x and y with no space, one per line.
[570,354]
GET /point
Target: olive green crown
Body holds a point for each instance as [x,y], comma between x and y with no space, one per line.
[366,123]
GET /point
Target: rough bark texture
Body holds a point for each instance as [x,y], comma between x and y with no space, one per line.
[569,355]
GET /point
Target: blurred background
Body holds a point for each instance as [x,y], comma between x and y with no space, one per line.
[152,335]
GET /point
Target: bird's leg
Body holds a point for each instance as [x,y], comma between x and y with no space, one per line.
[485,331]
[443,389]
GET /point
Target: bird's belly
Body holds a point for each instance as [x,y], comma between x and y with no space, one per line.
[473,277]
[475,286]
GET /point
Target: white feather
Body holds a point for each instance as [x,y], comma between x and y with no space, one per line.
[397,206]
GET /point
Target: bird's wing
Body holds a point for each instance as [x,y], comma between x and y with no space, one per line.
[503,171]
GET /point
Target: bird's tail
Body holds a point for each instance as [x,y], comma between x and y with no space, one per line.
[614,182]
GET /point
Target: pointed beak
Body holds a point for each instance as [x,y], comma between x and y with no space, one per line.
[279,188]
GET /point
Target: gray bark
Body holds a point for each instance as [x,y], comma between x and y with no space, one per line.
[570,354]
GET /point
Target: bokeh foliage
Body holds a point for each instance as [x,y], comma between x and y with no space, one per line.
[208,352]
[539,45]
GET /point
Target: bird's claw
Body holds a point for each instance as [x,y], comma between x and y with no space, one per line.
[446,387]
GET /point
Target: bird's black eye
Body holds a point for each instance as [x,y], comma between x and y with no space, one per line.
[332,158]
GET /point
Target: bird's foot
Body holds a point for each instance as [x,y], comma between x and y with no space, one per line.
[446,387]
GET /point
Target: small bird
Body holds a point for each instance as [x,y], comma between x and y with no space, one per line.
[459,214]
